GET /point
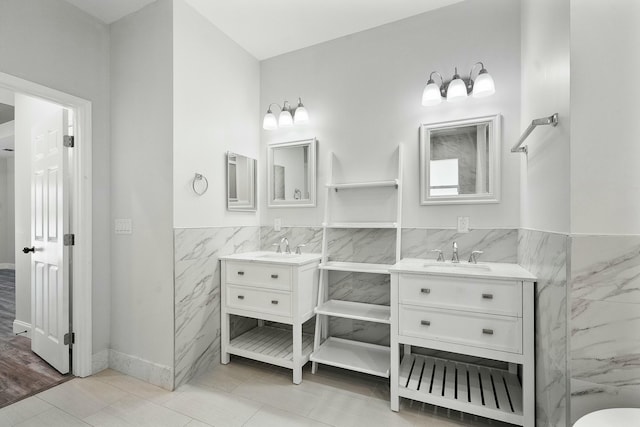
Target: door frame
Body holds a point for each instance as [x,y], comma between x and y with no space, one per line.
[81,215]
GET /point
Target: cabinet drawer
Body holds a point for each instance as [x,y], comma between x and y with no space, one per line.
[262,301]
[479,295]
[257,274]
[501,333]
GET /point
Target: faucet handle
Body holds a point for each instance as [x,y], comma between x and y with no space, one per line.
[277,245]
[440,256]
[474,256]
[298,250]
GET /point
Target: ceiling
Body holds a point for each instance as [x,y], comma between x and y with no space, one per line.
[109,11]
[267,28]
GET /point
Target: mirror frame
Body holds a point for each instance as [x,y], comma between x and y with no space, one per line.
[307,203]
[250,207]
[495,153]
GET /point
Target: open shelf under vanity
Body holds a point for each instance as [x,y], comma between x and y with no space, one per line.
[270,345]
[466,387]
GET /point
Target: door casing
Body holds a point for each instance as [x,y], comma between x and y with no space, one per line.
[81,215]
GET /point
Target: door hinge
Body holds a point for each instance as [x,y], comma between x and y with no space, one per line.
[69,141]
[69,338]
[69,239]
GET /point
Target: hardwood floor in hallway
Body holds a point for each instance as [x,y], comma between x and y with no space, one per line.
[22,372]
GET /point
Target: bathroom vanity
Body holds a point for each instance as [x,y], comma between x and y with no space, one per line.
[274,287]
[467,331]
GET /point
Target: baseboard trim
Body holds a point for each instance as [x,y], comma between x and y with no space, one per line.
[7,266]
[22,328]
[145,370]
[99,361]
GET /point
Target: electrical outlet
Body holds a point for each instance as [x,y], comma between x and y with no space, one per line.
[277,224]
[463,224]
[123,226]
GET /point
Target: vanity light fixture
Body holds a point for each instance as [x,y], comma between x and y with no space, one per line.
[458,88]
[288,116]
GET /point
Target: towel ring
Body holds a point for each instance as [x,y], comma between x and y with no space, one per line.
[196,179]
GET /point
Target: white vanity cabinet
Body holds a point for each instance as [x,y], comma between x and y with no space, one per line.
[280,288]
[484,311]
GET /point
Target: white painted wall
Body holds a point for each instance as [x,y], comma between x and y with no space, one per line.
[544,182]
[7,208]
[55,44]
[605,130]
[363,93]
[141,181]
[29,111]
[216,109]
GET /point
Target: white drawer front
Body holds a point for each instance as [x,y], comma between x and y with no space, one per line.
[256,274]
[501,333]
[271,302]
[468,294]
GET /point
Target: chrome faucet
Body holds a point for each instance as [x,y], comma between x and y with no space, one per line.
[454,256]
[440,256]
[287,249]
[473,258]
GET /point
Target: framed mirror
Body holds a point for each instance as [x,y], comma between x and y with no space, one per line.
[460,161]
[241,182]
[291,174]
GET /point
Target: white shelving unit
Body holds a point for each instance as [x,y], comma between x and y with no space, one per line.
[343,353]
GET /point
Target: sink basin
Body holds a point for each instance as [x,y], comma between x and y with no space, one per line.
[276,255]
[458,267]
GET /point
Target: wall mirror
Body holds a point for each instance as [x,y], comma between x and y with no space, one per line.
[291,174]
[460,161]
[241,182]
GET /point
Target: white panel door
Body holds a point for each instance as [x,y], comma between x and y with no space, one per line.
[49,259]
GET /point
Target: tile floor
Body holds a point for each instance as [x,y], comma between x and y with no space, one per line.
[243,393]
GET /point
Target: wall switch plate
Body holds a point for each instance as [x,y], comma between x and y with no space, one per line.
[277,224]
[463,224]
[123,226]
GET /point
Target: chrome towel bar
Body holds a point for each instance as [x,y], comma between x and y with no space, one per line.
[551,120]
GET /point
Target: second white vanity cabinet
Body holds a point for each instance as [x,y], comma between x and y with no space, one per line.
[480,310]
[280,288]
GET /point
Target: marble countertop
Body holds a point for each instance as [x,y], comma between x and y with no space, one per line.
[487,270]
[274,258]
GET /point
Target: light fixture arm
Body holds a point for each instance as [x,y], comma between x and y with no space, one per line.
[443,89]
[471,79]
[269,107]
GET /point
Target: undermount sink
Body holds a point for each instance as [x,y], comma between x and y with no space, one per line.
[461,266]
[276,255]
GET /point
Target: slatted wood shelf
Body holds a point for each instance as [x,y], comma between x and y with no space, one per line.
[354,355]
[356,310]
[270,345]
[479,390]
[356,267]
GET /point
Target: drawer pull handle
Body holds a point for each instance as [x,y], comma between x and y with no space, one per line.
[487,331]
[240,273]
[487,296]
[240,296]
[274,276]
[425,290]
[274,301]
[425,322]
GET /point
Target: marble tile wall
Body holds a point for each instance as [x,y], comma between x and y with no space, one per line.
[605,323]
[546,256]
[197,294]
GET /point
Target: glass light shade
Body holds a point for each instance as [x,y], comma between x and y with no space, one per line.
[456,90]
[431,95]
[301,115]
[483,86]
[285,119]
[269,122]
